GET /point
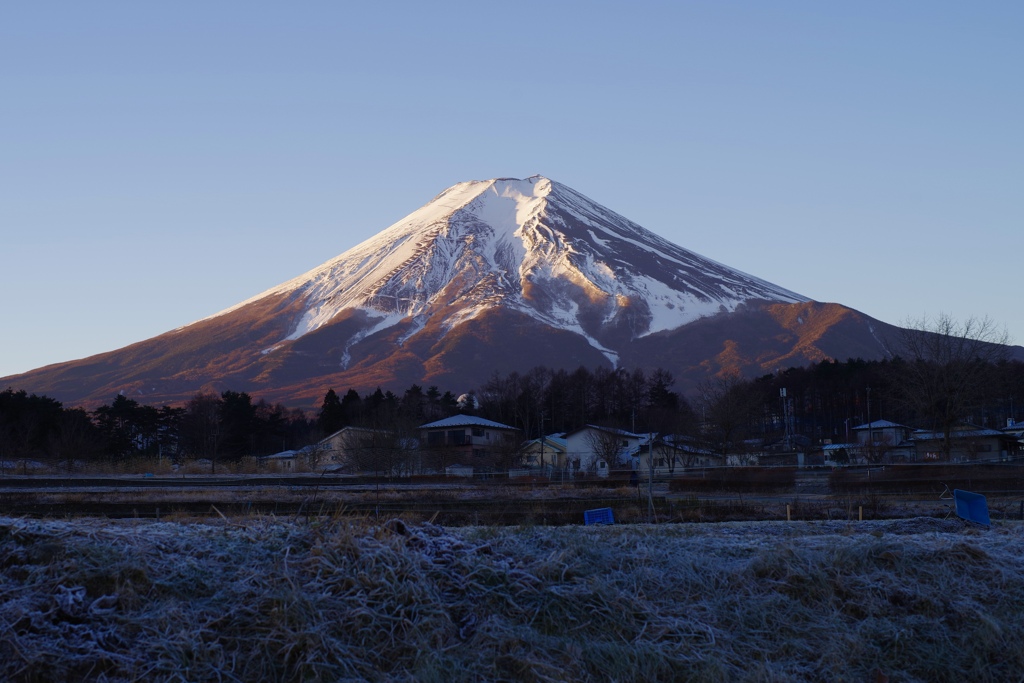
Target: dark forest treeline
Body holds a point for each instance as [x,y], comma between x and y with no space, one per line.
[824,401]
[817,403]
[229,426]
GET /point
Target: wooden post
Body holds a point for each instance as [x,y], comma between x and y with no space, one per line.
[788,518]
[860,513]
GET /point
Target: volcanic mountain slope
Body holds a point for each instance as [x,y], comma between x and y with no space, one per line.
[495,275]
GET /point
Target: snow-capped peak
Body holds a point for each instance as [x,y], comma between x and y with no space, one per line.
[533,246]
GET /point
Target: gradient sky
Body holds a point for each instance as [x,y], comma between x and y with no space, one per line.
[162,161]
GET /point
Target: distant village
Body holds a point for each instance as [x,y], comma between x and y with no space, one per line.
[467,446]
[545,424]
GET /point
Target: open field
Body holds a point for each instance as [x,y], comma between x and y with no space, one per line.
[760,495]
[452,502]
[704,495]
[334,599]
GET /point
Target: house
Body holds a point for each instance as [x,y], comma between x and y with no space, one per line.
[306,459]
[881,431]
[967,443]
[458,471]
[365,451]
[285,461]
[471,441]
[592,449]
[876,442]
[1016,430]
[673,454]
[835,454]
[546,454]
[21,466]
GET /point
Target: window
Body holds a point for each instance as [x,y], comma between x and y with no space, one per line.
[435,438]
[478,431]
[457,437]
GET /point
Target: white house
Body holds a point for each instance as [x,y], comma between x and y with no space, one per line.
[285,461]
[599,450]
[674,454]
[362,450]
[882,441]
[967,443]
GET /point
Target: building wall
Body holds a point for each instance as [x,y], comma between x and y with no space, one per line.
[580,449]
[964,449]
[478,447]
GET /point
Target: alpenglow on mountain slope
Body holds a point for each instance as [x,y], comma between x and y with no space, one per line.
[532,246]
[489,276]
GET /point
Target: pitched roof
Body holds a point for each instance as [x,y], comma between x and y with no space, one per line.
[283,455]
[609,430]
[354,429]
[555,442]
[880,424]
[924,435]
[465,421]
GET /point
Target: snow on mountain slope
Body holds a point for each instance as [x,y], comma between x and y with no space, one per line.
[533,246]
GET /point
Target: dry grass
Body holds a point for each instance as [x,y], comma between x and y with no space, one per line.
[335,600]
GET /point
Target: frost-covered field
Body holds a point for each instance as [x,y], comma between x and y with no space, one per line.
[260,599]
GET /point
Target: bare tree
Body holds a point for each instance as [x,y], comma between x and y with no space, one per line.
[74,439]
[876,450]
[948,365]
[386,449]
[606,445]
[727,410]
[506,451]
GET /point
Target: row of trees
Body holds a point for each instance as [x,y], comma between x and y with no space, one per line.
[946,372]
[381,409]
[942,372]
[229,425]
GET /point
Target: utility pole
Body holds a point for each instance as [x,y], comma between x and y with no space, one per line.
[650,477]
[871,436]
[788,438]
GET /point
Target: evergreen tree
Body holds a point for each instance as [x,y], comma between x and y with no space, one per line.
[128,427]
[351,408]
[372,405]
[332,413]
[412,402]
[237,417]
[27,423]
[200,427]
[449,404]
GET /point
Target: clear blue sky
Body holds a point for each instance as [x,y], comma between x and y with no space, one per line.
[162,161]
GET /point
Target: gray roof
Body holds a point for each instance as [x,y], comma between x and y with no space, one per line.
[880,424]
[283,455]
[464,421]
[838,446]
[923,435]
[354,429]
[610,430]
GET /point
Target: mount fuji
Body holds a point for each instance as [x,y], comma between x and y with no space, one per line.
[489,276]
